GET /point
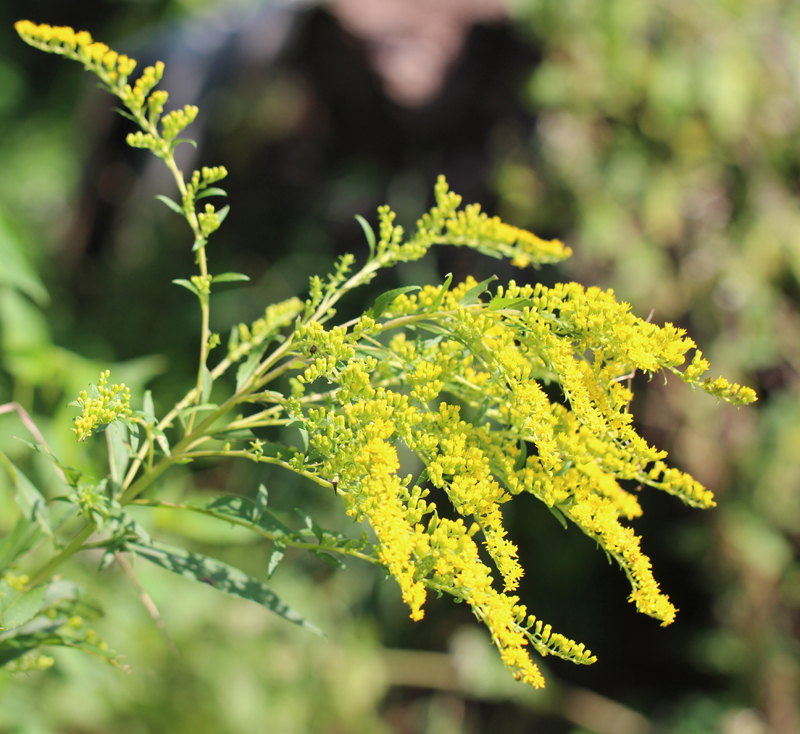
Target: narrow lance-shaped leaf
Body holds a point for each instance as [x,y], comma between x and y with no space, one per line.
[276,554]
[207,382]
[177,208]
[188,285]
[229,277]
[211,191]
[473,294]
[369,233]
[382,301]
[29,499]
[247,368]
[221,576]
[443,290]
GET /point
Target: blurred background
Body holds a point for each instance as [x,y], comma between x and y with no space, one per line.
[659,140]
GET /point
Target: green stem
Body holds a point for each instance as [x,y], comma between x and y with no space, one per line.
[46,571]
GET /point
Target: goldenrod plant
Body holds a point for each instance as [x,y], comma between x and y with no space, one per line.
[497,391]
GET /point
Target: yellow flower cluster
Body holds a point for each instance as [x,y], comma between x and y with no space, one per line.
[494,354]
[470,227]
[111,67]
[109,404]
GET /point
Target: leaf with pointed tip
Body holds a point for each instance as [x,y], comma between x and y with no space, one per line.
[148,407]
[513,304]
[311,524]
[261,503]
[473,294]
[22,538]
[71,475]
[222,213]
[369,233]
[207,382]
[276,554]
[442,291]
[558,515]
[240,508]
[382,301]
[29,499]
[175,143]
[247,368]
[211,191]
[229,277]
[118,452]
[330,560]
[174,205]
[188,285]
[221,576]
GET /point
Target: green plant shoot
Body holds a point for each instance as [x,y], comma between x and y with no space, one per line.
[456,373]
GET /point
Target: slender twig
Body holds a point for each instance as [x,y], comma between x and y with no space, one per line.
[27,421]
[148,603]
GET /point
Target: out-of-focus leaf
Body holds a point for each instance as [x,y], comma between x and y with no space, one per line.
[177,208]
[15,270]
[30,500]
[229,277]
[369,233]
[24,608]
[211,191]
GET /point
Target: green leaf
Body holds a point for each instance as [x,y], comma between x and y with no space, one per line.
[16,270]
[175,143]
[311,524]
[369,233]
[442,291]
[198,243]
[558,515]
[247,368]
[490,251]
[276,554]
[71,475]
[148,407]
[24,608]
[118,452]
[236,434]
[261,503]
[207,382]
[515,304]
[161,440]
[222,213]
[197,408]
[228,277]
[523,455]
[211,191]
[471,296]
[24,535]
[8,595]
[383,300]
[242,509]
[221,576]
[174,205]
[188,285]
[121,111]
[29,499]
[330,560]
